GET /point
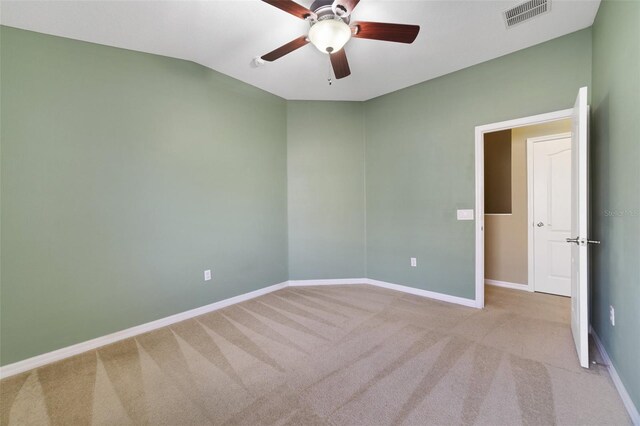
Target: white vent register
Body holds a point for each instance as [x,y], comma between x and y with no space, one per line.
[525,11]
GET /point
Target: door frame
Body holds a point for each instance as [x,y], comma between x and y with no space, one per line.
[479,169]
[530,239]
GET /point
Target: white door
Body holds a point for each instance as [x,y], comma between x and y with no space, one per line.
[579,228]
[552,214]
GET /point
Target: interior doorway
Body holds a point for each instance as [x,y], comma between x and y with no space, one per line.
[579,212]
[527,207]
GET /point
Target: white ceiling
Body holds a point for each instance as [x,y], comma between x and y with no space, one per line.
[226,35]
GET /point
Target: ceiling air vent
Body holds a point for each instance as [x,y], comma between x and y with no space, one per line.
[525,11]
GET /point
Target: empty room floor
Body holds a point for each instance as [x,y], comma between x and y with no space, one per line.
[341,355]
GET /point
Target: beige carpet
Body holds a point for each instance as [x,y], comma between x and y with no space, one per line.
[341,355]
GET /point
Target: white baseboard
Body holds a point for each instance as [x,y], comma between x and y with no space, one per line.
[624,395]
[60,354]
[342,281]
[506,284]
[425,293]
[391,286]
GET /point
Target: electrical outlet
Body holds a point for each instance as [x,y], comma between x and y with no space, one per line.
[612,315]
[414,262]
[207,275]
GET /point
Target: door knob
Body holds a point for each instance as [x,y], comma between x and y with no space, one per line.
[581,241]
[539,224]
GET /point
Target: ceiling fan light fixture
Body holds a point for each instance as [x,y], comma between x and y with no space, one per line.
[329,35]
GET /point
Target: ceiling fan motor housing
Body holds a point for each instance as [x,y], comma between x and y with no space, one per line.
[324,10]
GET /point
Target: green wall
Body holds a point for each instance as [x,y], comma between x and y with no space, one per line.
[325,150]
[124,177]
[615,155]
[420,157]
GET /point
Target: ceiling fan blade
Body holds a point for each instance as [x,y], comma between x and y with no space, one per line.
[340,64]
[286,48]
[292,7]
[399,33]
[343,8]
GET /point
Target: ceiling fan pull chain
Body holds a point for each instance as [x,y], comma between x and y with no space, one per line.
[329,77]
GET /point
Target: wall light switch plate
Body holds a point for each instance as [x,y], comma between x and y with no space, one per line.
[414,262]
[207,275]
[465,214]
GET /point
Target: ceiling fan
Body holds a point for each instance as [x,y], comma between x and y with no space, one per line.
[331,29]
